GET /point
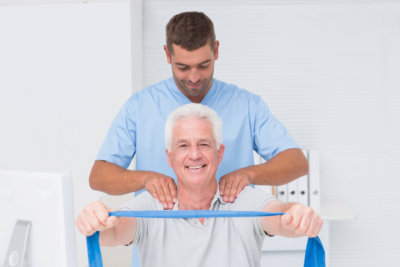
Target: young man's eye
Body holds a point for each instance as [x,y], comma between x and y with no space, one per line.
[183,68]
[204,66]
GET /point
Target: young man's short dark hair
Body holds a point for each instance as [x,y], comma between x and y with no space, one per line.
[190,30]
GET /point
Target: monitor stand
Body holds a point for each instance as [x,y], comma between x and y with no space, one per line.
[17,251]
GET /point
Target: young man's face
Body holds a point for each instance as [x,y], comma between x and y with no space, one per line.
[193,70]
[194,155]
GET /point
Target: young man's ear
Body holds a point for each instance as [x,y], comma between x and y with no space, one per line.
[167,54]
[216,49]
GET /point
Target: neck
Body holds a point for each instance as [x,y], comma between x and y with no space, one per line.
[196,197]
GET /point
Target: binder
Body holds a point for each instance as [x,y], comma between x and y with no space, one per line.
[292,191]
[302,186]
[281,193]
[314,177]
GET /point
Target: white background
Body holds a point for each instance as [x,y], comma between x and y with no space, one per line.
[65,70]
[329,70]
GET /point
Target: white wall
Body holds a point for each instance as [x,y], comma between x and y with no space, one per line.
[330,71]
[65,70]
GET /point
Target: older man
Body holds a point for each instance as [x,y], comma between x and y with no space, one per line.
[194,150]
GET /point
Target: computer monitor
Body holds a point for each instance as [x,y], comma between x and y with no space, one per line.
[40,207]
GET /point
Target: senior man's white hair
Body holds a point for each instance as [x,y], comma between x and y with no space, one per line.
[193,110]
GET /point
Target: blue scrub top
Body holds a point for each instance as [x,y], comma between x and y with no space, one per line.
[248,125]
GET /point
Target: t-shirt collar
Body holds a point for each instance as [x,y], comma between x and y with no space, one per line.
[217,198]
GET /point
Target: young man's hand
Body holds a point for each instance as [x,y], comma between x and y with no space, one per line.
[231,184]
[162,188]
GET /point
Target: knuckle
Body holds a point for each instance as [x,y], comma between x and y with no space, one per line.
[303,229]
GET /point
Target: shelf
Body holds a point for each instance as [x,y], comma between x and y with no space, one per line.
[335,211]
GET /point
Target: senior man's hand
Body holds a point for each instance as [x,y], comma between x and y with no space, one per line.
[162,188]
[231,184]
[301,221]
[94,217]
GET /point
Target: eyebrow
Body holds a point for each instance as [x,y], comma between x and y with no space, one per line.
[182,140]
[205,140]
[185,65]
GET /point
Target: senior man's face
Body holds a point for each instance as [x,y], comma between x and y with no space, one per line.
[194,155]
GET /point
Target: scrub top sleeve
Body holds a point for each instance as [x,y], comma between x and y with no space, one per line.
[270,135]
[119,146]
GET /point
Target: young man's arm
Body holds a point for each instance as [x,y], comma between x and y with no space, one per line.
[298,220]
[282,169]
[115,180]
[113,231]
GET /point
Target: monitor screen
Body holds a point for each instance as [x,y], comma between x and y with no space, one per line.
[46,201]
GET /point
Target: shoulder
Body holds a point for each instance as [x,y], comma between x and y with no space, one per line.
[148,98]
[144,201]
[253,199]
[235,91]
[152,91]
[232,95]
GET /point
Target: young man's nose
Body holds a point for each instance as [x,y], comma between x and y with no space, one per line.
[194,77]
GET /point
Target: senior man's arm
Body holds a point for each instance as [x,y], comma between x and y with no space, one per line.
[115,180]
[281,169]
[298,220]
[113,231]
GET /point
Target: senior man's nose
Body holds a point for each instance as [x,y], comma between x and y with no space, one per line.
[194,153]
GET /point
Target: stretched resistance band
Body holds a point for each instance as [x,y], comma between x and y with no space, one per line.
[314,257]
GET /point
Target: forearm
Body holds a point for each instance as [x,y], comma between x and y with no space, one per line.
[121,234]
[272,225]
[282,169]
[115,180]
[108,238]
[297,221]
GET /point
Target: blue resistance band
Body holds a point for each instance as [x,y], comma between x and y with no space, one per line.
[314,257]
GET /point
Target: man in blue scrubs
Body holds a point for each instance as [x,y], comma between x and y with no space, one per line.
[248,125]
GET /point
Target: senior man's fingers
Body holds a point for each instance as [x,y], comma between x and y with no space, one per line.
[318,228]
[315,226]
[86,223]
[111,222]
[100,211]
[305,223]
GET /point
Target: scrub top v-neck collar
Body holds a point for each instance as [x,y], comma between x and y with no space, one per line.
[182,99]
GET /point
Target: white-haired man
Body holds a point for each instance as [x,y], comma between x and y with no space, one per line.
[194,150]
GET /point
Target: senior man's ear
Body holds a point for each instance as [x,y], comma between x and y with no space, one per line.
[221,151]
[168,157]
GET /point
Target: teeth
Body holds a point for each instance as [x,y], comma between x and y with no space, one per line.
[194,167]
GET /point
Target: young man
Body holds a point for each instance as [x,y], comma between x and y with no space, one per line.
[249,126]
[193,136]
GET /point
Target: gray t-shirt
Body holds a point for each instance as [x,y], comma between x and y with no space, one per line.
[186,242]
